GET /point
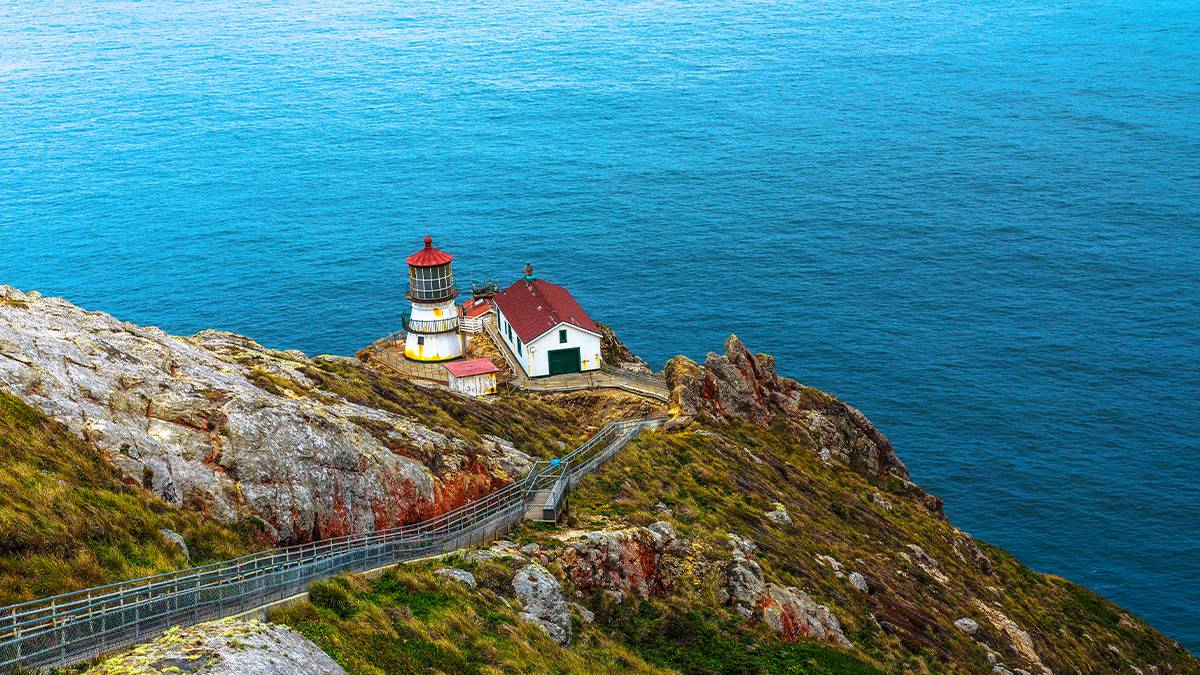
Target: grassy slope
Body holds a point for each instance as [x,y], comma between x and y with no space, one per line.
[715,487]
[410,620]
[68,521]
[103,530]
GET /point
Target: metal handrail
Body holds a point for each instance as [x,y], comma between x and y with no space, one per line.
[656,380]
[78,625]
[431,326]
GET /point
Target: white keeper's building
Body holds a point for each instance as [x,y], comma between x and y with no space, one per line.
[546,329]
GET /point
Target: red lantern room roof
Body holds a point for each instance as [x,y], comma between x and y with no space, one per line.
[429,256]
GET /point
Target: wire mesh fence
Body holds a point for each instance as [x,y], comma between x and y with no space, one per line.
[73,627]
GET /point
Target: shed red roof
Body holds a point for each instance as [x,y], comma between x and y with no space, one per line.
[472,367]
[475,307]
[429,256]
[534,307]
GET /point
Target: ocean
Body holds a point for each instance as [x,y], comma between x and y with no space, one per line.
[978,222]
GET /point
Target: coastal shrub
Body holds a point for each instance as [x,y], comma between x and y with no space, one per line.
[333,595]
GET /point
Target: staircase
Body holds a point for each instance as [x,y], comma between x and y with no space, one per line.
[73,627]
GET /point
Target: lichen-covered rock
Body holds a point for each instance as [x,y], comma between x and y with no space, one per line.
[744,386]
[222,425]
[1020,642]
[926,562]
[226,647]
[859,582]
[461,576]
[794,615]
[638,560]
[787,610]
[542,601]
[968,551]
[968,626]
[511,461]
[744,586]
[178,540]
[779,515]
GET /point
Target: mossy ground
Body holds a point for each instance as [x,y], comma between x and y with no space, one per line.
[411,620]
[69,521]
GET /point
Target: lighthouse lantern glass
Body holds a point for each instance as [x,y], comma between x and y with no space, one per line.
[431,283]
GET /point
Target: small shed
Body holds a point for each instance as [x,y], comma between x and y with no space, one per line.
[475,377]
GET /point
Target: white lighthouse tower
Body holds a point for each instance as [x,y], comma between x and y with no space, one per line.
[433,325]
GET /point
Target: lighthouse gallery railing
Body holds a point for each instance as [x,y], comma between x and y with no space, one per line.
[72,627]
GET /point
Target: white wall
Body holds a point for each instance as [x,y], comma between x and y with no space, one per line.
[502,324]
[474,385]
[435,346]
[539,349]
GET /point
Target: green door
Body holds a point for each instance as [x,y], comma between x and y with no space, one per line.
[564,361]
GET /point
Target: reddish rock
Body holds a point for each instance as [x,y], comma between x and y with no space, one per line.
[743,386]
[639,560]
[796,616]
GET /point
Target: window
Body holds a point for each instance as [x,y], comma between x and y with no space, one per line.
[430,283]
[420,339]
[519,348]
[510,337]
[562,336]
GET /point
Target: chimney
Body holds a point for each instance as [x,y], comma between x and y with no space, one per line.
[528,271]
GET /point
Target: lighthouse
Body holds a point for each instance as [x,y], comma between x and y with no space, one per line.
[433,324]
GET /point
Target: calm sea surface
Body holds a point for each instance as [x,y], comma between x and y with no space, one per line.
[977,221]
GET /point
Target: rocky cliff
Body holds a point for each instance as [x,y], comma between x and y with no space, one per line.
[739,385]
[225,426]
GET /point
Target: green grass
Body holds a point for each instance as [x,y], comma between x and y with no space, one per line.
[411,620]
[69,521]
[699,639]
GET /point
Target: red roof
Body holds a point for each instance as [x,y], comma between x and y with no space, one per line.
[472,367]
[429,256]
[475,307]
[534,307]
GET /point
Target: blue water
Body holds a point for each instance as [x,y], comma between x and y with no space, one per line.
[977,221]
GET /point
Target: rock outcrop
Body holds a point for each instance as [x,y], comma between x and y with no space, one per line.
[178,540]
[542,601]
[461,576]
[225,647]
[1020,643]
[637,560]
[220,424]
[795,616]
[789,611]
[614,352]
[740,385]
